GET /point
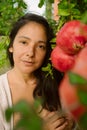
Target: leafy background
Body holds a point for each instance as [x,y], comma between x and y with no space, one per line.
[10,10]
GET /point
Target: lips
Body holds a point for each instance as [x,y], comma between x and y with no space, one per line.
[28,63]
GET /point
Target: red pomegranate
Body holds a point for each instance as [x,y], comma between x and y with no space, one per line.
[72,36]
[60,60]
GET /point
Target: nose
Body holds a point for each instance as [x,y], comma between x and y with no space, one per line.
[30,51]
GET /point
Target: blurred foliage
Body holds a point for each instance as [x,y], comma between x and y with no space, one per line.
[10,10]
[76,79]
[29,120]
[81,84]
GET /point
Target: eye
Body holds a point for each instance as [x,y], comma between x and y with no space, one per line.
[42,46]
[23,42]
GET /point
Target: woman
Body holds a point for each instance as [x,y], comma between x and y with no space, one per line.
[29,51]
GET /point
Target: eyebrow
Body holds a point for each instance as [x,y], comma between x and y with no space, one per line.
[40,41]
[24,37]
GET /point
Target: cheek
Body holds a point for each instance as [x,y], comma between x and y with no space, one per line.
[16,55]
[41,57]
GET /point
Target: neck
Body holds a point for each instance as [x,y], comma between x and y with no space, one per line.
[26,77]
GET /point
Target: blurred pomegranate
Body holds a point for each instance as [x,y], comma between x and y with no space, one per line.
[68,91]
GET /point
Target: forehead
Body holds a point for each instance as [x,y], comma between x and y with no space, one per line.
[33,30]
[33,24]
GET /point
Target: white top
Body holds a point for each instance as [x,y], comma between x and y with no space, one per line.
[5,102]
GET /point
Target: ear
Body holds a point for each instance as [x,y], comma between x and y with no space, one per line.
[11,49]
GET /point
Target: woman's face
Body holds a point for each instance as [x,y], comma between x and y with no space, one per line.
[29,47]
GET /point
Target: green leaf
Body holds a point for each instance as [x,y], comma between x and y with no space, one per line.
[8,114]
[63,12]
[82,96]
[22,107]
[48,69]
[85,1]
[63,8]
[32,123]
[83,121]
[29,119]
[53,40]
[84,18]
[76,79]
[41,3]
